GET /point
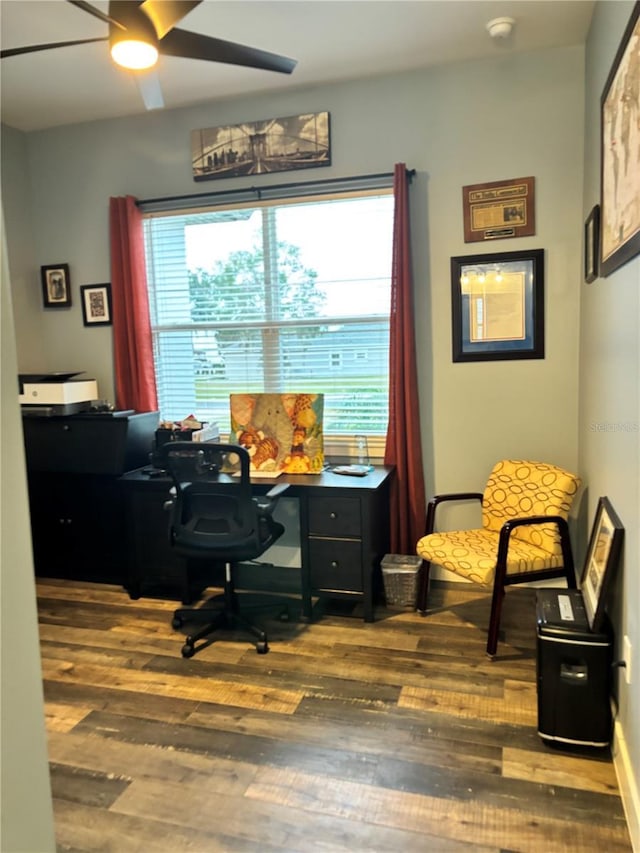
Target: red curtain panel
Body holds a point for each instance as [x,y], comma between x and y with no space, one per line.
[403,447]
[133,350]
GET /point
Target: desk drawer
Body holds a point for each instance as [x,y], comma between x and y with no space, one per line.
[335,517]
[335,564]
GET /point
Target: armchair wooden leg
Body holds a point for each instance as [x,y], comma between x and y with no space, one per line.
[494,619]
[423,587]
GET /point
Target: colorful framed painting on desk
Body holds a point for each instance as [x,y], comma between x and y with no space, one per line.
[282,432]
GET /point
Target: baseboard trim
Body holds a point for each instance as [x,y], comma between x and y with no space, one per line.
[627,784]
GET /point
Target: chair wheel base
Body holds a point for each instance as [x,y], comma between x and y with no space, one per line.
[188,651]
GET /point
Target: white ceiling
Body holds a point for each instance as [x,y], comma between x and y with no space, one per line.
[331,39]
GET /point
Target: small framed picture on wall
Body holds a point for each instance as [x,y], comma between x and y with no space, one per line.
[56,286]
[96,304]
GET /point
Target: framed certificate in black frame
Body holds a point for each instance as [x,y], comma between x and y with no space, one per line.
[497,303]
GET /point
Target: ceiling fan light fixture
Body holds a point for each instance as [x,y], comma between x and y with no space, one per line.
[134,53]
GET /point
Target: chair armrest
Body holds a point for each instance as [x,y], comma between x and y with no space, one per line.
[563,529]
[277,490]
[267,503]
[438,499]
[171,500]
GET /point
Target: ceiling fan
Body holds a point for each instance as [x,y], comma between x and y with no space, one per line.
[139,30]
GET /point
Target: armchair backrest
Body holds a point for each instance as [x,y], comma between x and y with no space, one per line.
[519,488]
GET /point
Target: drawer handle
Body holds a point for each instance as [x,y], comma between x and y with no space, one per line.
[333,515]
[334,564]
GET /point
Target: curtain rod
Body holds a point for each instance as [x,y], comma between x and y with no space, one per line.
[269,188]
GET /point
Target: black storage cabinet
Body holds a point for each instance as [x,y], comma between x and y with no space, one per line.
[74,463]
[574,683]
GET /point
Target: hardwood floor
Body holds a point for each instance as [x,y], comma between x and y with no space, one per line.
[393,735]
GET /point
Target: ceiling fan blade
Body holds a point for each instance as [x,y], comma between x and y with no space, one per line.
[149,85]
[165,14]
[87,7]
[33,48]
[195,46]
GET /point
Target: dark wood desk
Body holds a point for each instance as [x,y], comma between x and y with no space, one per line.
[344,533]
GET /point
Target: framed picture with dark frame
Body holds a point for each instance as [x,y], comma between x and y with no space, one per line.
[497,303]
[620,153]
[56,286]
[96,304]
[499,209]
[592,245]
[270,145]
[603,554]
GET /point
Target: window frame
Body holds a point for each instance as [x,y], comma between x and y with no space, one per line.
[278,196]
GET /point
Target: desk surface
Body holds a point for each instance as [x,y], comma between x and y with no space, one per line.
[296,482]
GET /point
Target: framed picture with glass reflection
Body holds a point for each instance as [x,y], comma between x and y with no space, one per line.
[497,306]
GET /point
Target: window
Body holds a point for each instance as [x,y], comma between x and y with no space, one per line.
[288,295]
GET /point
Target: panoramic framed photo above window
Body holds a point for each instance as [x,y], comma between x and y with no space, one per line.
[497,306]
[620,159]
[253,148]
[96,304]
[56,286]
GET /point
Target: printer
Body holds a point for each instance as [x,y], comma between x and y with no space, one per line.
[55,393]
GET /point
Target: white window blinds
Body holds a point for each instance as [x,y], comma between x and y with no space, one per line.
[280,296]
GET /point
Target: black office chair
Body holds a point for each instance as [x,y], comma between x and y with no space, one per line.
[215,516]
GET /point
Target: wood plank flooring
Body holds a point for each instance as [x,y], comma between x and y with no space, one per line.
[393,735]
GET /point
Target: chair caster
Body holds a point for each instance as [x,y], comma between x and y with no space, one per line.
[188,651]
[176,623]
[261,647]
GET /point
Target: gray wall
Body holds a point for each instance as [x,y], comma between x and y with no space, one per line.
[609,422]
[467,123]
[459,124]
[26,292]
[25,794]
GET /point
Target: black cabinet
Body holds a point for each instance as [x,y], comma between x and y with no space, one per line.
[104,443]
[77,525]
[74,464]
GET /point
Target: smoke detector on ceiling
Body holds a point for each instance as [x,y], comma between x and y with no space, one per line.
[500,28]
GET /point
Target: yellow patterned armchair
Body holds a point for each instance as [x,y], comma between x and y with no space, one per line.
[524,534]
